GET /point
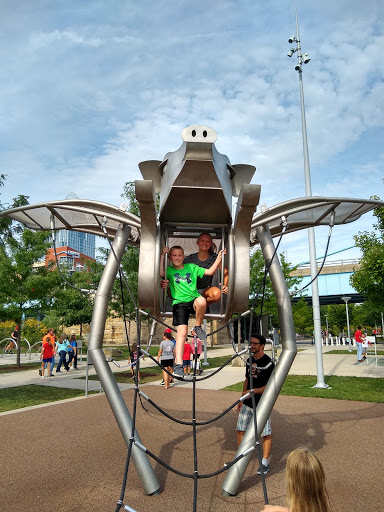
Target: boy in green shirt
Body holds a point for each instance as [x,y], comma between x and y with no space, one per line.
[182,278]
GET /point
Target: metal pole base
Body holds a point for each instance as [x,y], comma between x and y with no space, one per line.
[321,386]
[226,494]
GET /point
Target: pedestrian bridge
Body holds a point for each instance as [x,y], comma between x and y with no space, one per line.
[333,282]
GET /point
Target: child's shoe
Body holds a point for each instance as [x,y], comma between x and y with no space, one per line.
[200,333]
[178,371]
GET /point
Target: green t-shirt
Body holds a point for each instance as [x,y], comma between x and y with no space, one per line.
[182,282]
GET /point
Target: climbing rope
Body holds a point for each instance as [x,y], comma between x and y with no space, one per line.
[194,423]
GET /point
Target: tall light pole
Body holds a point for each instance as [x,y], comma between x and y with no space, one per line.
[303,58]
[326,321]
[346,300]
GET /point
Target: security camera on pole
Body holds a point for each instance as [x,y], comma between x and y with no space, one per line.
[304,58]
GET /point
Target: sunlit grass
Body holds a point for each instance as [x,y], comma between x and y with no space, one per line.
[362,389]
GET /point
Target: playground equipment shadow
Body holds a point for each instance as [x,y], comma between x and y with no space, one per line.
[95,460]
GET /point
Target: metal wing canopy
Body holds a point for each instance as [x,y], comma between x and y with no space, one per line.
[75,215]
[307,212]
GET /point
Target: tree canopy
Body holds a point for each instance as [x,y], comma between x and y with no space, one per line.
[369,279]
[26,283]
[257,267]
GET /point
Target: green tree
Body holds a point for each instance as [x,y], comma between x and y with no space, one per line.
[302,316]
[369,279]
[257,267]
[26,284]
[71,305]
[129,194]
[337,317]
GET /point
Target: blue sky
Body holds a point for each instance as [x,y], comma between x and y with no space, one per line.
[89,89]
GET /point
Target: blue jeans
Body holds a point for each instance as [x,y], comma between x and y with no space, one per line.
[71,355]
[359,347]
[63,355]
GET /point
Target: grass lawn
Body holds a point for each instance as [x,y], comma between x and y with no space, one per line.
[9,368]
[26,396]
[362,389]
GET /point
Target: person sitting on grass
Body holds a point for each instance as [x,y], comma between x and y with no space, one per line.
[182,280]
[306,491]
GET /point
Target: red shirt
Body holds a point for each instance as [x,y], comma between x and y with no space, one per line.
[48,351]
[187,352]
[358,336]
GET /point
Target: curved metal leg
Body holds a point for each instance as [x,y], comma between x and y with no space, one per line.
[107,380]
[288,340]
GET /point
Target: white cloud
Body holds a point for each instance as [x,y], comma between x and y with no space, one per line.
[88,93]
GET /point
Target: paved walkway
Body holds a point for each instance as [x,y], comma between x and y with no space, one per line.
[304,364]
[96,456]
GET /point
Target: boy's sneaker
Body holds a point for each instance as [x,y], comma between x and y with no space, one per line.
[178,371]
[200,333]
[42,378]
[263,469]
[162,383]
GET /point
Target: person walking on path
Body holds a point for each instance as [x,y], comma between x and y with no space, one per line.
[73,343]
[199,350]
[262,367]
[46,358]
[49,338]
[132,360]
[62,350]
[71,351]
[359,345]
[187,358]
[12,344]
[166,357]
[306,490]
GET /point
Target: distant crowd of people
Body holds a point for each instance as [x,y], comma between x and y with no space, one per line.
[167,354]
[63,348]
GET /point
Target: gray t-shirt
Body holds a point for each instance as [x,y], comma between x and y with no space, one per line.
[167,347]
[205,281]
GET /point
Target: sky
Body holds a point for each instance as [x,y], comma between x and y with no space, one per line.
[89,89]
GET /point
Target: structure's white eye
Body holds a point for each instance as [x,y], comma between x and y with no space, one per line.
[199,133]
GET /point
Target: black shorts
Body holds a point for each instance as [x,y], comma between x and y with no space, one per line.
[167,362]
[181,312]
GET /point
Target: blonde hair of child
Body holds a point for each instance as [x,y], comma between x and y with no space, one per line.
[306,491]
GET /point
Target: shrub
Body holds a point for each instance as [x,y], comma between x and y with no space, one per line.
[33,330]
[6,329]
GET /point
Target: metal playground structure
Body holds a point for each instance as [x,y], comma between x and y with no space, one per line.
[196,169]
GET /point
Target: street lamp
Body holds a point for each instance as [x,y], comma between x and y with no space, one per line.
[304,58]
[326,321]
[346,300]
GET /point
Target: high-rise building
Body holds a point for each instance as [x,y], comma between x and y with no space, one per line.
[77,241]
[73,248]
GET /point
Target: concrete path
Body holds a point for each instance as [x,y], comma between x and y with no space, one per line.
[304,364]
